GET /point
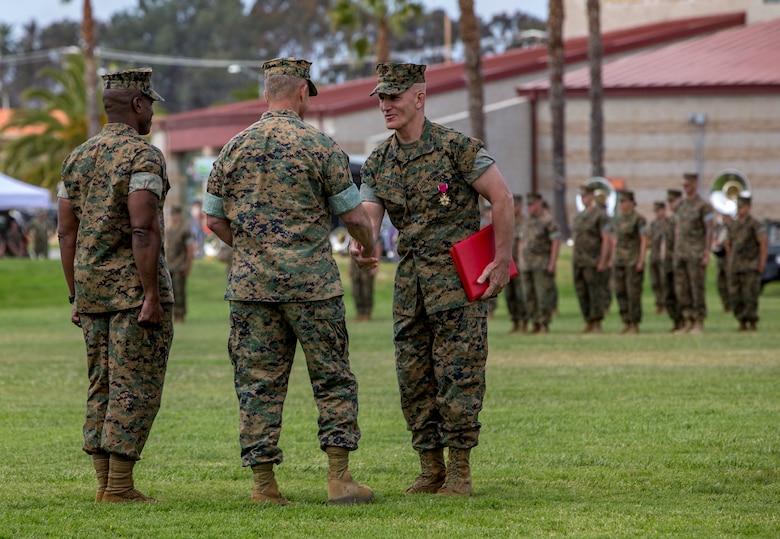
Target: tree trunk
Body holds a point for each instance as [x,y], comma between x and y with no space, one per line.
[557,111]
[90,72]
[596,90]
[469,30]
[382,40]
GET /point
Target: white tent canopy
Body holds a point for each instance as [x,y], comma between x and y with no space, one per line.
[15,194]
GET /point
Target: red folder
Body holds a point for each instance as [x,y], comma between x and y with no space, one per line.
[471,256]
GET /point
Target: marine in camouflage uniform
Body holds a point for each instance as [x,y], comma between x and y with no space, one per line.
[719,232]
[540,239]
[746,245]
[590,259]
[629,261]
[693,236]
[673,198]
[37,231]
[179,252]
[656,240]
[428,178]
[515,300]
[270,196]
[111,228]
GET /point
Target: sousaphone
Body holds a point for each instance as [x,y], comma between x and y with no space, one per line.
[605,189]
[726,187]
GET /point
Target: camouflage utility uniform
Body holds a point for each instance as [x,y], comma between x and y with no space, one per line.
[656,239]
[178,241]
[277,182]
[670,296]
[126,362]
[691,218]
[515,300]
[537,234]
[587,230]
[629,228]
[743,265]
[440,337]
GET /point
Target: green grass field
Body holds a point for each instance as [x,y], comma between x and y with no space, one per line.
[649,435]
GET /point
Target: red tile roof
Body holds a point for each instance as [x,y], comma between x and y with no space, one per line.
[734,61]
[215,125]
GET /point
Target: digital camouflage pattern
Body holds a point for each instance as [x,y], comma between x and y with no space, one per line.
[395,79]
[263,338]
[291,67]
[655,243]
[515,299]
[441,399]
[407,181]
[126,363]
[177,241]
[691,217]
[744,259]
[132,79]
[275,179]
[440,337]
[537,234]
[587,229]
[743,237]
[629,228]
[97,178]
[125,388]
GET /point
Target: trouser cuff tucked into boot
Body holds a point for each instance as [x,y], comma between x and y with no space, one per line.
[120,487]
[265,489]
[341,487]
[458,479]
[431,477]
[100,462]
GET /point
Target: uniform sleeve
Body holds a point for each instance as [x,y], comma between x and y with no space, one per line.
[482,162]
[344,201]
[148,172]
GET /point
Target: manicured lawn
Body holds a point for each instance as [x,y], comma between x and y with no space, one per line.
[651,435]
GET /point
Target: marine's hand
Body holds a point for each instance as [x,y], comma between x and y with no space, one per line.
[74,316]
[363,257]
[497,276]
[151,313]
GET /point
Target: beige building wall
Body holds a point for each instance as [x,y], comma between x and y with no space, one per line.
[616,14]
[650,142]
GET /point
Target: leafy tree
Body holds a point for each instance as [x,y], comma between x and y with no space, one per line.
[201,29]
[386,16]
[37,158]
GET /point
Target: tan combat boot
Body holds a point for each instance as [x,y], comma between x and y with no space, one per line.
[588,328]
[595,326]
[697,328]
[341,487]
[265,489]
[120,487]
[100,463]
[685,327]
[458,479]
[431,477]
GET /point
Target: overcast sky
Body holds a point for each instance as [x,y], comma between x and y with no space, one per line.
[19,12]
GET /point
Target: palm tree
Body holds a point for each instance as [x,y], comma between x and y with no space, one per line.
[388,16]
[469,29]
[89,41]
[596,90]
[59,126]
[557,110]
